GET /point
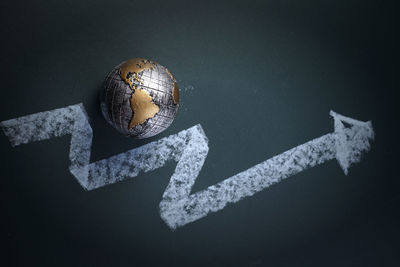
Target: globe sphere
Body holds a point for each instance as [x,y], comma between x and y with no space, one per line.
[139,98]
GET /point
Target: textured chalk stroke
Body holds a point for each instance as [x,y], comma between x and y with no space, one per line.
[189,149]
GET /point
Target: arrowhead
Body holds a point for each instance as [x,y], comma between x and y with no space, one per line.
[352,138]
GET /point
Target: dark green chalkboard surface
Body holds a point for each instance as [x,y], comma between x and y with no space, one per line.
[259,76]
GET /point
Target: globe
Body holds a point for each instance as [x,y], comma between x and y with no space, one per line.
[139,98]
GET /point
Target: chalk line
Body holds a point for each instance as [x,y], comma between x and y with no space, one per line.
[189,148]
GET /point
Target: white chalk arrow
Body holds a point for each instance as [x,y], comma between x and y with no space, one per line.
[189,149]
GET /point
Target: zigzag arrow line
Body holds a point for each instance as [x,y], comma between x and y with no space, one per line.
[189,149]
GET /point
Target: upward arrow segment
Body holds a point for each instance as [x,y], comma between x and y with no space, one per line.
[189,149]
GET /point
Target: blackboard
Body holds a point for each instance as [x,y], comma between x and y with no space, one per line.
[260,77]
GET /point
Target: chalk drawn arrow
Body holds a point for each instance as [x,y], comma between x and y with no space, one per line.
[189,148]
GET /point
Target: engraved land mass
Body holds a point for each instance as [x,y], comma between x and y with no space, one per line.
[141,102]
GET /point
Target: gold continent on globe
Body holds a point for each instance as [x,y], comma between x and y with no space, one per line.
[140,98]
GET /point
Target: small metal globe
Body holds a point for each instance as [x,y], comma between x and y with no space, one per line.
[140,98]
